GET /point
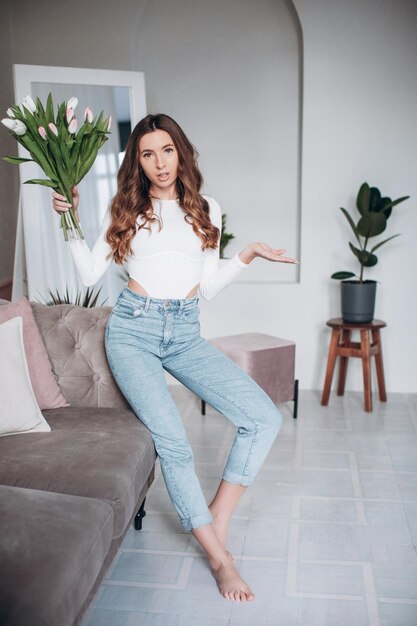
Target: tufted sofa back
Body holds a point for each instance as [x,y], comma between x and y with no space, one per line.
[74,340]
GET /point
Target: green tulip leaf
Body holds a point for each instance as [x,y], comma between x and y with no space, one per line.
[40,181]
[49,112]
[15,160]
[372,224]
[39,108]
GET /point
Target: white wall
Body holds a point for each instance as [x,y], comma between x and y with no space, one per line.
[360,112]
[228,72]
[359,124]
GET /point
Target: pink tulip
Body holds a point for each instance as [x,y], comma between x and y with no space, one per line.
[53,128]
[109,124]
[72,126]
[88,115]
[42,132]
[70,114]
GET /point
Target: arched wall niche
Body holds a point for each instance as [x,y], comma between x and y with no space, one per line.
[231,73]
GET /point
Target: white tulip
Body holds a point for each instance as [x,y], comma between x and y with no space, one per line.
[88,115]
[10,113]
[15,126]
[72,103]
[8,123]
[20,128]
[29,104]
[22,110]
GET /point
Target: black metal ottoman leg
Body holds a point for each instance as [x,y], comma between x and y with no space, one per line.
[295,413]
[203,407]
[139,515]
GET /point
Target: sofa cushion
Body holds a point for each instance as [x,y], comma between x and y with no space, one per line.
[100,453]
[52,548]
[19,412]
[74,338]
[45,386]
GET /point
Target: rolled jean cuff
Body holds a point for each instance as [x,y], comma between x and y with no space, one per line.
[237,479]
[195,522]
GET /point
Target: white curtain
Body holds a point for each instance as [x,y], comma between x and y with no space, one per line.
[49,265]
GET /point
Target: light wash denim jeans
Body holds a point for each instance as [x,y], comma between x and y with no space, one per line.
[146,335]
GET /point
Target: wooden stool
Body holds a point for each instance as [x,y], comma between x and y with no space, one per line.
[341,345]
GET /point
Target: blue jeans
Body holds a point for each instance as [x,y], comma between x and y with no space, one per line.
[146,335]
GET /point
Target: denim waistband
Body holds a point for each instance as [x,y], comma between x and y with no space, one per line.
[159,303]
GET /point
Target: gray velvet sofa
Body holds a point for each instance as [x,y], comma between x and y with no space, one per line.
[67,497]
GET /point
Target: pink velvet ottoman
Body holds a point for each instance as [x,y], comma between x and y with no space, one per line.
[270,361]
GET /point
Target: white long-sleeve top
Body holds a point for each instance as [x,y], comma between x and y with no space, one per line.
[166,263]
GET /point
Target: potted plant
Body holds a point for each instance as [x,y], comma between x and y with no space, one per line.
[224,237]
[358,296]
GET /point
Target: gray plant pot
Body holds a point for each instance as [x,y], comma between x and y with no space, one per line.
[358,301]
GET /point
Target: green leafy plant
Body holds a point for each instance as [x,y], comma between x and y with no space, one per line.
[88,299]
[225,237]
[375,211]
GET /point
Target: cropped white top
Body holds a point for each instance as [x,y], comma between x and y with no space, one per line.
[167,263]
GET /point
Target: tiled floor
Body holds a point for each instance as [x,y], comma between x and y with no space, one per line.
[326,537]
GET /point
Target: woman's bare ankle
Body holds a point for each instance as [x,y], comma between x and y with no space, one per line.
[220,560]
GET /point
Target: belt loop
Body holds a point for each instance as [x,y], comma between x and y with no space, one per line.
[147,304]
[181,307]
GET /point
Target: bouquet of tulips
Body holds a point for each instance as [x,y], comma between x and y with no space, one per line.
[64,153]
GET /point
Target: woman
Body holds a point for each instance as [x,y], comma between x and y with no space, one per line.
[169,234]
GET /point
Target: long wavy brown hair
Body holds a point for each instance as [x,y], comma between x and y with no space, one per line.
[132,198]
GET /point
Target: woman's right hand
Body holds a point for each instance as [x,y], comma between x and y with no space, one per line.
[60,204]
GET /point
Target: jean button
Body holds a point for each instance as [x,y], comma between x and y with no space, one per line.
[167,302]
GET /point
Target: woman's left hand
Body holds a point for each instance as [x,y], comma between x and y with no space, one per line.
[266,252]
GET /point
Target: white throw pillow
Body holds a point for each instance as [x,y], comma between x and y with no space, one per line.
[19,411]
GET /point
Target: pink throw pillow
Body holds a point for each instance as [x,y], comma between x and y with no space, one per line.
[47,392]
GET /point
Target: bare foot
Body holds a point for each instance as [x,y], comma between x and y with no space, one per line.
[230,584]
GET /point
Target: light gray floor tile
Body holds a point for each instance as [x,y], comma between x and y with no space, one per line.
[368,461]
[157,540]
[266,538]
[331,579]
[150,568]
[102,617]
[191,620]
[269,505]
[327,509]
[327,612]
[325,460]
[339,542]
[407,484]
[379,485]
[393,614]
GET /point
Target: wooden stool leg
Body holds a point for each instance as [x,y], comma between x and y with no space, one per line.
[376,338]
[366,367]
[330,366]
[346,335]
